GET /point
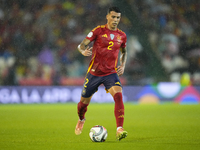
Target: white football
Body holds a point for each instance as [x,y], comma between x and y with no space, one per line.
[98,133]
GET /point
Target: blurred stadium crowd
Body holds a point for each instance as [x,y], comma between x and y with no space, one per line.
[38,39]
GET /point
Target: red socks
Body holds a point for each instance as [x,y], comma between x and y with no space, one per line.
[119,109]
[82,108]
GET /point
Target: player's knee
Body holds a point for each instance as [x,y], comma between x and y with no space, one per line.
[85,100]
[118,97]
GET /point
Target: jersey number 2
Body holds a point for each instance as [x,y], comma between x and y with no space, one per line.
[110,45]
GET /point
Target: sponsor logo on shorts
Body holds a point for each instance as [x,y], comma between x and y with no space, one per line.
[117,83]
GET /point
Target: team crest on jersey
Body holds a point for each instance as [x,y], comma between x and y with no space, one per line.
[118,39]
[112,36]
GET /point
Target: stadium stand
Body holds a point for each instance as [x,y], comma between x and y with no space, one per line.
[38,39]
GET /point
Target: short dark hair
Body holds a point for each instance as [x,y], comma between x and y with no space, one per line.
[115,9]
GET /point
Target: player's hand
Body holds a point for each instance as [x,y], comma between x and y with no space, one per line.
[120,70]
[87,51]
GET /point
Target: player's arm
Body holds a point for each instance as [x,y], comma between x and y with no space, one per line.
[84,49]
[123,57]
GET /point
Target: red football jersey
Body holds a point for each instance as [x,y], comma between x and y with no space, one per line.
[105,50]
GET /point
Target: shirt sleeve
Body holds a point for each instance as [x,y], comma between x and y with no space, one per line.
[93,34]
[124,41]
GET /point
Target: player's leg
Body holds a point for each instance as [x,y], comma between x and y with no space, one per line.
[82,109]
[89,88]
[113,86]
[116,92]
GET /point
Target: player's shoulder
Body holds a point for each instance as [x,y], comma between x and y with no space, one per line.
[99,27]
[121,32]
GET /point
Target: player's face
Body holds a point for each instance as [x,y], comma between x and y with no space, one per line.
[113,19]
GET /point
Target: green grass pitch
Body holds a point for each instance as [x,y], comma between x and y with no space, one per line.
[51,127]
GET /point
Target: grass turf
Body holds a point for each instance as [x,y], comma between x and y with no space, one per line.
[51,126]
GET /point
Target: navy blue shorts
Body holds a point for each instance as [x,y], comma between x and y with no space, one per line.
[92,83]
